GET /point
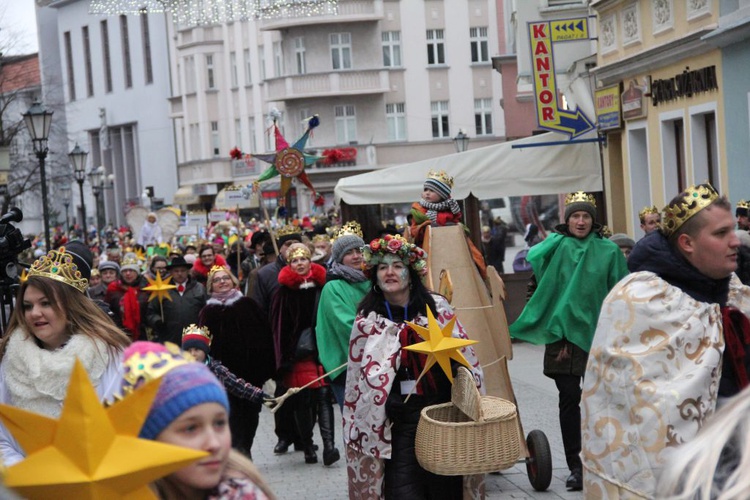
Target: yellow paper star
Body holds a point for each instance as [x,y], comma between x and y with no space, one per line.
[159,288]
[140,254]
[91,452]
[439,345]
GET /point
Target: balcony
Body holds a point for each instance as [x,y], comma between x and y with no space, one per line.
[175,107]
[356,82]
[349,11]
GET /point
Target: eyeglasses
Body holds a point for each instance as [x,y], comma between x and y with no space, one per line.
[160,269]
[222,279]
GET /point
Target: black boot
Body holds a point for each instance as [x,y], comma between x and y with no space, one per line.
[304,420]
[325,422]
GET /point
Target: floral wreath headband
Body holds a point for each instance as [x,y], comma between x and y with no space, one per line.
[410,254]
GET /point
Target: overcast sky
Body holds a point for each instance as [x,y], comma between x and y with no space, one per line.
[18,27]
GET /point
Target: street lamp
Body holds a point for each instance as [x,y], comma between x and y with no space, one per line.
[96,178]
[78,160]
[38,121]
[65,193]
[461,141]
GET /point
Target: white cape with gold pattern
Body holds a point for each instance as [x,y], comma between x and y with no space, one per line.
[651,381]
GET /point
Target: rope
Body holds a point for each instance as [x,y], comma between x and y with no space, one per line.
[275,403]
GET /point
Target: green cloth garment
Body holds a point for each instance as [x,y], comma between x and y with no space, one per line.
[337,309]
[573,278]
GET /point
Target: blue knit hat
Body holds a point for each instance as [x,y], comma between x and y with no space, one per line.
[184,384]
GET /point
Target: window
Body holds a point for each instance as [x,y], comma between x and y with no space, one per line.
[391,48]
[125,40]
[479,45]
[483,116]
[248,69]
[148,71]
[253,142]
[262,62]
[435,47]
[189,74]
[69,65]
[440,119]
[299,55]
[195,142]
[341,50]
[345,123]
[238,133]
[395,117]
[105,55]
[210,81]
[233,69]
[215,139]
[87,57]
[278,59]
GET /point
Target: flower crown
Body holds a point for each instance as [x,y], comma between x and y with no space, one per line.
[351,227]
[58,265]
[199,332]
[580,197]
[216,269]
[441,176]
[648,211]
[692,200]
[410,254]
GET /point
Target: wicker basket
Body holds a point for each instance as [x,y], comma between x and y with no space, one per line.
[450,443]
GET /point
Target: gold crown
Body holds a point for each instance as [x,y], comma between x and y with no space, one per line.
[647,211]
[59,266]
[201,331]
[441,176]
[351,227]
[143,367]
[131,259]
[216,269]
[287,230]
[580,197]
[298,250]
[692,200]
[320,237]
[743,204]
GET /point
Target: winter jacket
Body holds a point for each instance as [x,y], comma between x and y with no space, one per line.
[179,312]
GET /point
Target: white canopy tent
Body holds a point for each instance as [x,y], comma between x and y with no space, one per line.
[489,172]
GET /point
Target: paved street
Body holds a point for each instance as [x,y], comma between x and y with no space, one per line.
[291,478]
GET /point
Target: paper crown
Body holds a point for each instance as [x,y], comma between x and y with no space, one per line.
[441,176]
[410,254]
[743,204]
[351,227]
[195,332]
[58,265]
[647,211]
[580,197]
[298,250]
[143,367]
[216,269]
[691,201]
[287,230]
[320,237]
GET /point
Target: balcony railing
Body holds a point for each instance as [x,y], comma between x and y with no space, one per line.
[357,82]
[348,11]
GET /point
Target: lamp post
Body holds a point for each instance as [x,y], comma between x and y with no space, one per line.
[461,141]
[96,178]
[65,193]
[38,121]
[78,160]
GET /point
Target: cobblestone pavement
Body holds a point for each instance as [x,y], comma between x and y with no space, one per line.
[291,478]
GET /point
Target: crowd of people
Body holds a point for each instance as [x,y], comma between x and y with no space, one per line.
[647,343]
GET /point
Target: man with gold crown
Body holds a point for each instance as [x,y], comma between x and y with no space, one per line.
[574,269]
[650,219]
[670,343]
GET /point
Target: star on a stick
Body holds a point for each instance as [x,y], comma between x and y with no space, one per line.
[90,452]
[439,345]
[159,288]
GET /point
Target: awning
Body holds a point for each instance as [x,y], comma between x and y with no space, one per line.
[185,196]
[489,172]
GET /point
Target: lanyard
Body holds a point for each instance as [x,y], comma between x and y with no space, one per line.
[390,314]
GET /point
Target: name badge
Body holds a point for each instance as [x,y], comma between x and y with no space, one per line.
[408,386]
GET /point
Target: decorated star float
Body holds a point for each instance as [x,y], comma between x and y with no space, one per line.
[439,345]
[90,452]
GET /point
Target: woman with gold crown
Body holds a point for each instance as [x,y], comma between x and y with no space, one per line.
[53,324]
[242,342]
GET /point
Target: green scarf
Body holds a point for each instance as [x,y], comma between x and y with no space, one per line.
[573,278]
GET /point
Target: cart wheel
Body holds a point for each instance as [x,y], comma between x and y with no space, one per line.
[539,463]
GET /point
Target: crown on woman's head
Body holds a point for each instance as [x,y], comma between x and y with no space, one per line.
[409,253]
[58,265]
[287,230]
[298,250]
[193,330]
[215,269]
[320,237]
[691,201]
[351,227]
[648,211]
[580,197]
[147,365]
[441,176]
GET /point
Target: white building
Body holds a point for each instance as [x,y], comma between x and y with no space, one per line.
[113,73]
[392,81]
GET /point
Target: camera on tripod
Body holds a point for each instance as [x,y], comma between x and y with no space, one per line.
[12,243]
